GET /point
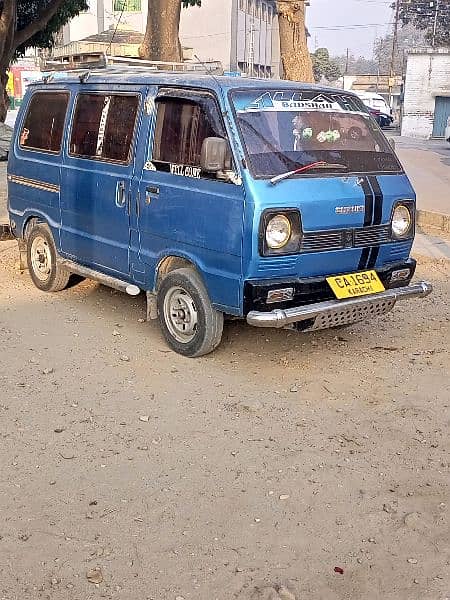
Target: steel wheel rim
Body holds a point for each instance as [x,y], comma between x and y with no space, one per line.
[180,315]
[41,258]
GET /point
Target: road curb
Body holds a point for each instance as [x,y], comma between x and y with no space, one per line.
[433,222]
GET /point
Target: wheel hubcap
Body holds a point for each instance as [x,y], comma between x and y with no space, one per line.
[41,258]
[180,315]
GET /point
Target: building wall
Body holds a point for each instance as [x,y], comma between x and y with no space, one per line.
[427,76]
[102,16]
[255,55]
[208,29]
[82,26]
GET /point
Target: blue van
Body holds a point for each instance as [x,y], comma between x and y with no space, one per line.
[271,201]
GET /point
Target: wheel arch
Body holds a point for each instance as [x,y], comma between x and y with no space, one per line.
[31,220]
[172,262]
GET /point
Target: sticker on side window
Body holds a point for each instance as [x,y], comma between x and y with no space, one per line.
[185,171]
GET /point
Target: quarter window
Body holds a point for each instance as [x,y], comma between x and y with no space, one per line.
[181,127]
[44,122]
[103,126]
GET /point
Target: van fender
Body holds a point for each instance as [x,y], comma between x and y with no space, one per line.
[166,264]
[29,218]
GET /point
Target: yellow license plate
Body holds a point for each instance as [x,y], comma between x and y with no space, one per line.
[355,284]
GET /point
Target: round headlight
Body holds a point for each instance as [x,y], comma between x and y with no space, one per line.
[278,232]
[401,220]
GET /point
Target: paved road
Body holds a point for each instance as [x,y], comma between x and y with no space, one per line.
[427,163]
[272,461]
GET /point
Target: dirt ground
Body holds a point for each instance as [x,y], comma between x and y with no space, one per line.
[131,473]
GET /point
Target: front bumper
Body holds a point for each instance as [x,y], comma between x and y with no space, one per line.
[338,312]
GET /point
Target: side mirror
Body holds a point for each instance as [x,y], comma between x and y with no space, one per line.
[392,143]
[214,155]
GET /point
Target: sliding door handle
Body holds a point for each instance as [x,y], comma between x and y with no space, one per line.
[153,190]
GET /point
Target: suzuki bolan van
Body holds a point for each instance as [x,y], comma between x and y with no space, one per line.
[215,196]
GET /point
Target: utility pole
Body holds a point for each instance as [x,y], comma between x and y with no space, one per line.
[433,41]
[394,50]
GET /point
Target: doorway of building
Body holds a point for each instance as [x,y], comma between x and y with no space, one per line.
[441,115]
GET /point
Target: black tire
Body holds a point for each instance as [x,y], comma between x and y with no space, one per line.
[190,325]
[46,273]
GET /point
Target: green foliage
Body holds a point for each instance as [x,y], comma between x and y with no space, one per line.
[424,14]
[324,66]
[28,12]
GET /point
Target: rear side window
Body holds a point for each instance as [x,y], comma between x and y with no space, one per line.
[103,126]
[43,126]
[181,126]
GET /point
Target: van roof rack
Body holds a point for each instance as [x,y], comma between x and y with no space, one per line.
[86,64]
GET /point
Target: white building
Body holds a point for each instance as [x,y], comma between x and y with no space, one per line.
[426,106]
[241,34]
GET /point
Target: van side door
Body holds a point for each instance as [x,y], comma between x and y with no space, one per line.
[183,211]
[97,176]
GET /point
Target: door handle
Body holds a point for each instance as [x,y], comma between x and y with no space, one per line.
[121,197]
[150,192]
[152,189]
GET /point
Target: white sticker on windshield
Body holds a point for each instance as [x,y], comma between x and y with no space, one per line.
[296,101]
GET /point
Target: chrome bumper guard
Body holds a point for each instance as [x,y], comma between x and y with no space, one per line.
[339,312]
[6,233]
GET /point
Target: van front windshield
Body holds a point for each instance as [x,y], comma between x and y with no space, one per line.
[290,129]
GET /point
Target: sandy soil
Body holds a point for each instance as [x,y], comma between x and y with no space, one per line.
[131,473]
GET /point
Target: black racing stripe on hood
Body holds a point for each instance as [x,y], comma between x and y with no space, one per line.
[368,218]
[369,200]
[378,196]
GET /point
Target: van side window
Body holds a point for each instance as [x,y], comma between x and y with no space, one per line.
[103,126]
[181,126]
[44,122]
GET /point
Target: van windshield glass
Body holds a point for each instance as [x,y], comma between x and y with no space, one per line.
[286,130]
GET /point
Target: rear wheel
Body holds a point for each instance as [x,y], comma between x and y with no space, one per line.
[190,324]
[46,273]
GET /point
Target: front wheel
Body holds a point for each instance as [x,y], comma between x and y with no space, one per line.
[46,273]
[190,325]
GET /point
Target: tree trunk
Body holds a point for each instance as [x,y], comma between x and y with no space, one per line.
[295,57]
[161,41]
[4,98]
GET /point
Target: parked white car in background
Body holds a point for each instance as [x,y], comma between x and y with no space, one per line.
[377,103]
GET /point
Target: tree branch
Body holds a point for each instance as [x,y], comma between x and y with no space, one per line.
[43,18]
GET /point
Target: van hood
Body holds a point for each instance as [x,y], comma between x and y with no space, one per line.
[334,202]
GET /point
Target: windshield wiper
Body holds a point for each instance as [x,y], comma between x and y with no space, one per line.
[315,165]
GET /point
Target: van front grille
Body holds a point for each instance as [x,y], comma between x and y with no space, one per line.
[372,236]
[339,239]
